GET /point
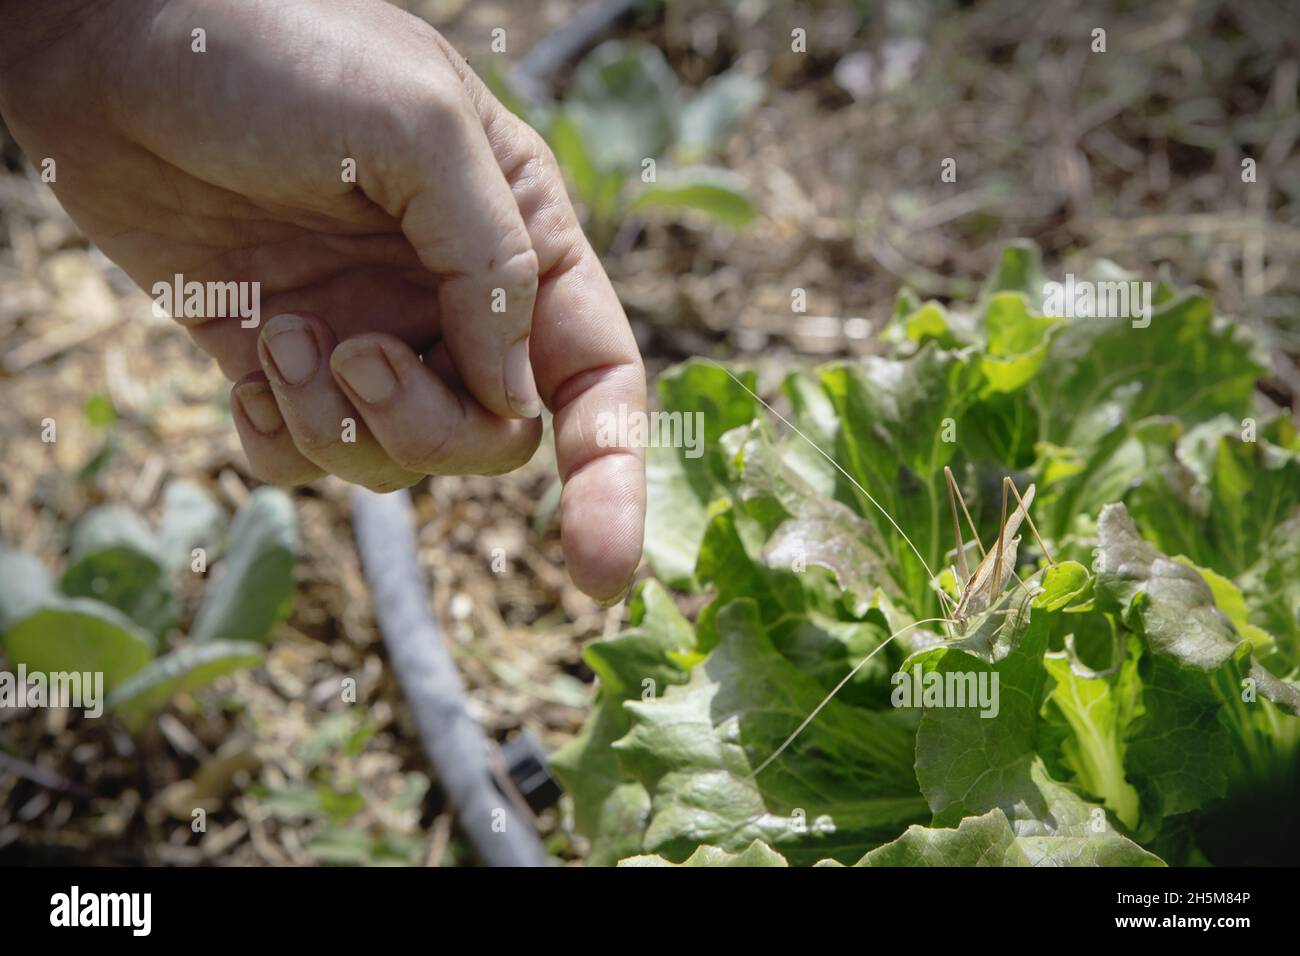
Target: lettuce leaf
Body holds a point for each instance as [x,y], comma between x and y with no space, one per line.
[1137,704]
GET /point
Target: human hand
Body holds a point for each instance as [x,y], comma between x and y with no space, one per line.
[227,165]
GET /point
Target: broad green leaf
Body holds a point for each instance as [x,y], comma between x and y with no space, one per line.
[714,193]
[991,840]
[1179,753]
[1017,342]
[1020,269]
[999,435]
[971,760]
[1215,498]
[1171,604]
[78,634]
[1230,600]
[810,452]
[610,810]
[640,661]
[114,558]
[1063,584]
[1148,705]
[814,567]
[1180,750]
[712,114]
[1164,600]
[1108,376]
[1098,710]
[1256,486]
[182,670]
[968,763]
[1231,506]
[686,482]
[986,840]
[812,581]
[624,99]
[841,787]
[255,586]
[930,322]
[818,622]
[190,519]
[894,414]
[25,585]
[1272,587]
[788,527]
[757,853]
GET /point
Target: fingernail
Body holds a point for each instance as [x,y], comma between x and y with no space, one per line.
[259,407]
[292,349]
[364,368]
[521,389]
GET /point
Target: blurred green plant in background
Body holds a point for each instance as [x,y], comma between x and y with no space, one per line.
[115,605]
[630,139]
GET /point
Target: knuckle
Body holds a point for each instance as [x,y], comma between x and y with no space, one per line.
[444,103]
[447,99]
[547,165]
[438,108]
[527,163]
[516,265]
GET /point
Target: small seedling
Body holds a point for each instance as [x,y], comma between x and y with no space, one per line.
[115,606]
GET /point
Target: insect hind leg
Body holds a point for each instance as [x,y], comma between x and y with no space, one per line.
[1029,520]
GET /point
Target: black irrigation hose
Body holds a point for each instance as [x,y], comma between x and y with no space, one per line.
[553,51]
[453,740]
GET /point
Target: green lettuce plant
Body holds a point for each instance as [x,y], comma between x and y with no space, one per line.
[114,609]
[1147,679]
[629,139]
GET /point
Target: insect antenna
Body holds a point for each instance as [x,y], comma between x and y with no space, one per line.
[838,687]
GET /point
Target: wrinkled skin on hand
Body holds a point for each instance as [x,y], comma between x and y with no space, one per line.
[376,295]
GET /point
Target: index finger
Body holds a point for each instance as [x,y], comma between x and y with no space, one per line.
[458,212]
[584,356]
